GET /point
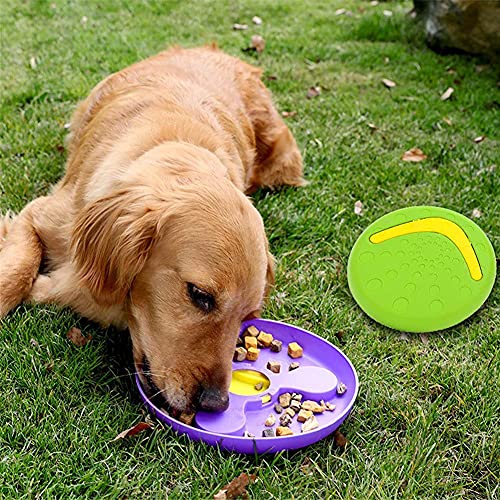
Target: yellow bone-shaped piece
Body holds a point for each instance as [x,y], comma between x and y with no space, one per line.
[436,225]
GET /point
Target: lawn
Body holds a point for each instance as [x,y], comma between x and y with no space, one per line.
[427,420]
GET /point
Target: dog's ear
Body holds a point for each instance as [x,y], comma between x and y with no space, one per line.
[112,239]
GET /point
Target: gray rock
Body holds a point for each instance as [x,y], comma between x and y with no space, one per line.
[471,26]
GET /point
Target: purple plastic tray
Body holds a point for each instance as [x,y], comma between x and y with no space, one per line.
[322,367]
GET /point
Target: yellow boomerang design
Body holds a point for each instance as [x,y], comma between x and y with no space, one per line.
[436,225]
[243,382]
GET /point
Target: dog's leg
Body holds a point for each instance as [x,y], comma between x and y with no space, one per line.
[61,287]
[278,160]
[20,257]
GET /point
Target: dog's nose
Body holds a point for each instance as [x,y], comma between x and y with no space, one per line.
[213,399]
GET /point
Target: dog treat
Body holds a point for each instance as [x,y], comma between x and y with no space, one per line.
[274,366]
[278,408]
[304,415]
[285,420]
[268,433]
[270,421]
[251,331]
[283,431]
[240,354]
[330,407]
[276,345]
[284,399]
[240,342]
[293,365]
[186,418]
[295,405]
[265,339]
[296,396]
[259,386]
[266,398]
[250,342]
[341,388]
[294,350]
[310,424]
[252,353]
[248,434]
[290,412]
[312,406]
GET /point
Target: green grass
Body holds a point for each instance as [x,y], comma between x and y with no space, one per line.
[426,423]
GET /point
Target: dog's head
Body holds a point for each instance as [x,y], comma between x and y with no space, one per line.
[187,253]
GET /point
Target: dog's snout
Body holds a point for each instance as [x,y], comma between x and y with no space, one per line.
[213,399]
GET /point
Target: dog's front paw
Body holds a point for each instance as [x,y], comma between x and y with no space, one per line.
[41,291]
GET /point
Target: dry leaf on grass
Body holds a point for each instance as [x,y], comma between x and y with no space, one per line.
[476,213]
[447,121]
[306,466]
[358,208]
[136,429]
[387,13]
[372,126]
[414,154]
[340,439]
[287,114]
[447,93]
[313,92]
[339,12]
[240,27]
[257,20]
[388,83]
[77,337]
[33,62]
[237,487]
[479,139]
[258,43]
[424,338]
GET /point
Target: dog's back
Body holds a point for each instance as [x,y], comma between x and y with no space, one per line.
[200,96]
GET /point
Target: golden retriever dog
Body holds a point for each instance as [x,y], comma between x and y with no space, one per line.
[150,229]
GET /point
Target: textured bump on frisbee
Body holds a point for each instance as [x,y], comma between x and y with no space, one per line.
[421,269]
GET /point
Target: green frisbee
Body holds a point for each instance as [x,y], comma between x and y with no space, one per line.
[421,269]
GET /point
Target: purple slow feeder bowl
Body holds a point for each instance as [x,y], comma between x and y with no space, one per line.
[322,367]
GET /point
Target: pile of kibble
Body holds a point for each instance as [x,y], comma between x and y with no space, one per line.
[252,340]
[290,405]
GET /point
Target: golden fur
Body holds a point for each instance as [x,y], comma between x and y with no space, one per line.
[152,203]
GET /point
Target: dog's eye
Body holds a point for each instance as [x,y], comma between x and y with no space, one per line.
[201,299]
